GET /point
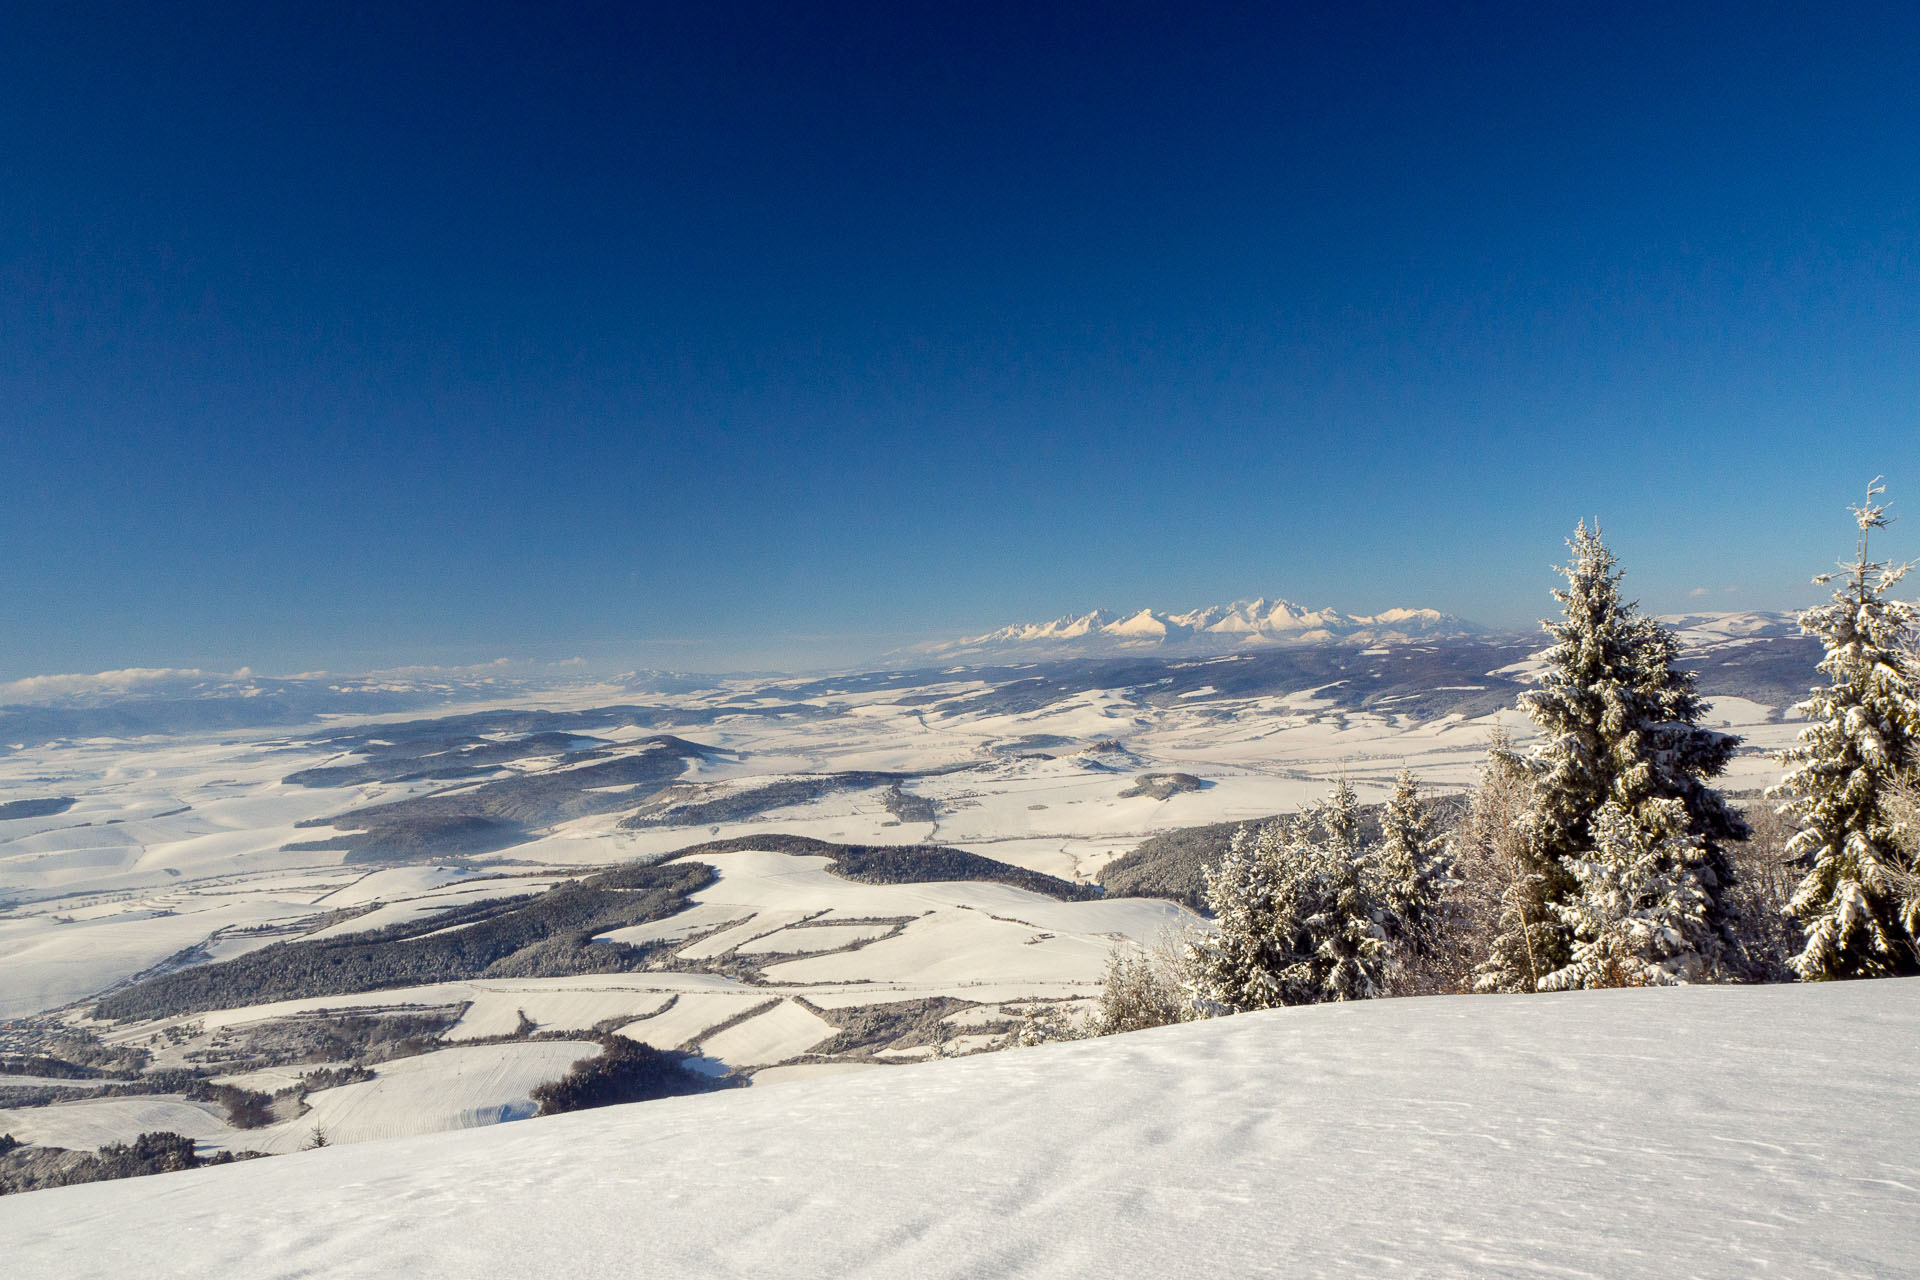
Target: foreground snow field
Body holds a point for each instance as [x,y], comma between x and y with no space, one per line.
[1694,1131]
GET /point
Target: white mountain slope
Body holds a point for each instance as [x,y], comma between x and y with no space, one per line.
[1244,624]
[1694,1131]
[1701,629]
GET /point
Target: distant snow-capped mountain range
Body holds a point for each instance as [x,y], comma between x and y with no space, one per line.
[1242,625]
[1252,625]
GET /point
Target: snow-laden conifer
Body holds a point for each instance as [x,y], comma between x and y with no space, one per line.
[1859,901]
[1298,921]
[1620,727]
[1643,915]
[1330,911]
[1409,865]
[1235,967]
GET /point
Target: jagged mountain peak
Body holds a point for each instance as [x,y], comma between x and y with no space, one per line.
[1243,624]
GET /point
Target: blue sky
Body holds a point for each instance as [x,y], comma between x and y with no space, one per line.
[713,335]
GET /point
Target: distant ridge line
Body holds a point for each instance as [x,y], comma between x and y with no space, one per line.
[1242,626]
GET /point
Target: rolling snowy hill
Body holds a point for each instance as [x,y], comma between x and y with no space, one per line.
[1693,1131]
[1007,793]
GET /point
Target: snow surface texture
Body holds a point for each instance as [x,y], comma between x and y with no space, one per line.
[1695,1131]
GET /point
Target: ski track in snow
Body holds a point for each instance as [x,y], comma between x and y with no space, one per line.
[1699,1131]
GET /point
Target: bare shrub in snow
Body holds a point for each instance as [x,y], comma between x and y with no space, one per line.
[1143,988]
[1045,1021]
[1763,883]
[1493,903]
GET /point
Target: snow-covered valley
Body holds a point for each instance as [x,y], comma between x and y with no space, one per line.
[166,856]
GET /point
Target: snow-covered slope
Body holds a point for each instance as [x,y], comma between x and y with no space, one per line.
[1697,630]
[1703,1131]
[1244,624]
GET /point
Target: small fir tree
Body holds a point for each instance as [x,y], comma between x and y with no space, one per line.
[1409,867]
[1299,922]
[1643,916]
[1340,919]
[1860,746]
[1332,921]
[1234,968]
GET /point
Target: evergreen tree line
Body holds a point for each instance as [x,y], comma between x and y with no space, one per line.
[1603,856]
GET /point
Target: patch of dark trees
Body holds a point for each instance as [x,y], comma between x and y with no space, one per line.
[904,864]
[39,808]
[364,1037]
[499,814]
[903,1024]
[245,1108]
[907,807]
[1162,786]
[670,810]
[625,1071]
[444,757]
[550,935]
[402,750]
[40,1064]
[33,1168]
[410,838]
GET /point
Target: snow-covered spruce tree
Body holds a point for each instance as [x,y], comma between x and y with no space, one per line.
[1642,916]
[1298,920]
[1858,902]
[1409,867]
[1620,727]
[1235,968]
[1336,917]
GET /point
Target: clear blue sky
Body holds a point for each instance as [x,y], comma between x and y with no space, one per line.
[705,333]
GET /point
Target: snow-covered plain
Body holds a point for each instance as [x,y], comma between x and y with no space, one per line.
[175,848]
[1684,1132]
[176,842]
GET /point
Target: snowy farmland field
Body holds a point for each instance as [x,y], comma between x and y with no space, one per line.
[136,860]
[1698,1131]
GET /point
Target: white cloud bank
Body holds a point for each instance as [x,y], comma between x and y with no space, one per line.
[35,689]
[147,682]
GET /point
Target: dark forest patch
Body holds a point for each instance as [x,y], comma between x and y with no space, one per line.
[499,814]
[904,864]
[549,936]
[38,808]
[625,1071]
[1162,786]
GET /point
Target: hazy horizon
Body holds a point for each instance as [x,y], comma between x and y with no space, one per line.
[764,655]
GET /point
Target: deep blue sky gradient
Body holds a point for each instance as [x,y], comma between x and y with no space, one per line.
[712,335]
